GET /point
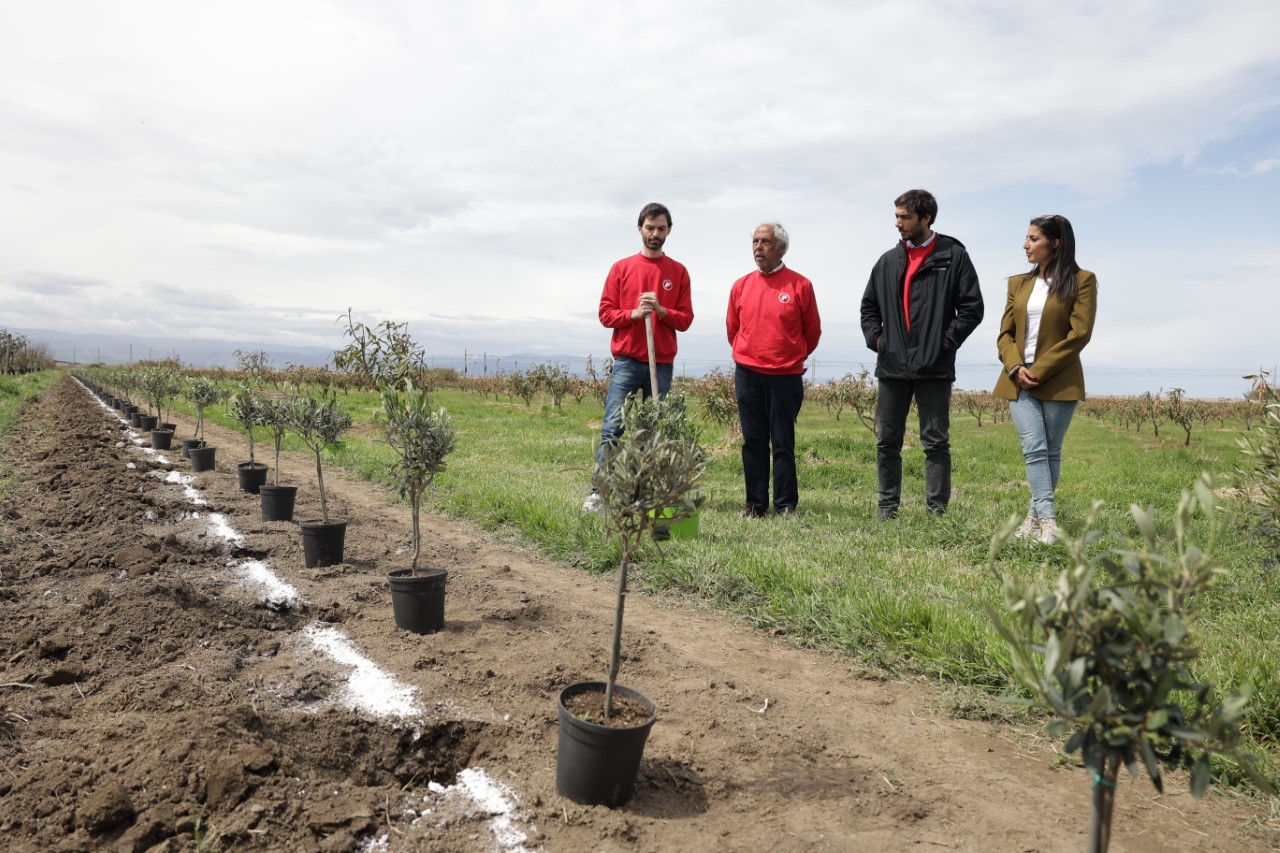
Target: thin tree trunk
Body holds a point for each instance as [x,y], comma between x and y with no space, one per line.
[1104,800]
[415,501]
[616,654]
[324,502]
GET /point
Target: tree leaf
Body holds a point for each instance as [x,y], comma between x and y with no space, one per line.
[1200,776]
[1146,526]
[1153,765]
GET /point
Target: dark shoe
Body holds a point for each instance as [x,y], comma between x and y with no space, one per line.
[752,512]
[889,514]
[787,512]
[937,511]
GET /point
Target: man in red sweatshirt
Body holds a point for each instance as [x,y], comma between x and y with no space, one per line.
[773,327]
[647,284]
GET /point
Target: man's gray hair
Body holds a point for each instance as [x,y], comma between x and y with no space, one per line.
[779,233]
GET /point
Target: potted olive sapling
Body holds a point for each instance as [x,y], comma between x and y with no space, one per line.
[320,422]
[421,437]
[277,500]
[651,471]
[169,385]
[162,383]
[1107,651]
[246,410]
[203,392]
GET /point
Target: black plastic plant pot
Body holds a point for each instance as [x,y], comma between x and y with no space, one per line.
[323,544]
[135,419]
[277,502]
[188,443]
[252,476]
[161,439]
[597,765]
[202,458]
[167,425]
[418,599]
[147,423]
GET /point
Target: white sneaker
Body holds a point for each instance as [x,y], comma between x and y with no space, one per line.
[593,503]
[1049,533]
[1030,526]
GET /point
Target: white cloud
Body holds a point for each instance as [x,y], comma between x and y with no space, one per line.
[429,160]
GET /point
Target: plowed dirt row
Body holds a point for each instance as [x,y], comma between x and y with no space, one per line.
[154,696]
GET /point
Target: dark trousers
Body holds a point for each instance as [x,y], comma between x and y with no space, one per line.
[768,406]
[933,401]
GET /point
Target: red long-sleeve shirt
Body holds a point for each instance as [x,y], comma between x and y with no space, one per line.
[629,278]
[773,321]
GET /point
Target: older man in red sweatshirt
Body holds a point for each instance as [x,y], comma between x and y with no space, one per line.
[773,327]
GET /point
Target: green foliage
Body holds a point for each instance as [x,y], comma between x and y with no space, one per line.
[277,415]
[203,392]
[1111,660]
[905,598]
[719,400]
[320,422]
[247,409]
[379,356]
[653,466]
[422,438]
[1260,473]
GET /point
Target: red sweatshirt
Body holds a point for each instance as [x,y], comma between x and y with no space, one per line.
[629,278]
[773,321]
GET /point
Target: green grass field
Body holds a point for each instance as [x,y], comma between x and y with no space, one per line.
[904,598]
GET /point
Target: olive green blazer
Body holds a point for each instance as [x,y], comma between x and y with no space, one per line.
[1065,327]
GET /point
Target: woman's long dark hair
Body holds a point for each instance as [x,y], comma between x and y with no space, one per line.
[1062,272]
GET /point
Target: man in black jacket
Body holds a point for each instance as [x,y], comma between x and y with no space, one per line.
[920,304]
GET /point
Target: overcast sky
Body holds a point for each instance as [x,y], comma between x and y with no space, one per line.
[251,170]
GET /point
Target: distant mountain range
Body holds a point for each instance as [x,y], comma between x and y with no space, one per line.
[83,349]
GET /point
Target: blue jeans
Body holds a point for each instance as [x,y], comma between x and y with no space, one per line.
[1042,425]
[933,402]
[629,376]
[768,406]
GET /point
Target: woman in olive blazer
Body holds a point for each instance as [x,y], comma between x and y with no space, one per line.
[1043,381]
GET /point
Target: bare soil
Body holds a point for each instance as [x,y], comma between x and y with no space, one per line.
[151,700]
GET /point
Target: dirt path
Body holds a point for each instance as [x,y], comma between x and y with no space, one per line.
[151,700]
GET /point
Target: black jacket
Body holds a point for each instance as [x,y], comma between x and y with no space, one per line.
[946,306]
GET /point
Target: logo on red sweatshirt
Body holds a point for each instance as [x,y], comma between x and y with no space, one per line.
[784,297]
[666,285]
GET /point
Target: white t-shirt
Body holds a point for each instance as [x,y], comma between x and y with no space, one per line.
[1035,307]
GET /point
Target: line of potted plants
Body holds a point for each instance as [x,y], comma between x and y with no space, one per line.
[651,471]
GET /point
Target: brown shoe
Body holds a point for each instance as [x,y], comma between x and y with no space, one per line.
[787,512]
[752,512]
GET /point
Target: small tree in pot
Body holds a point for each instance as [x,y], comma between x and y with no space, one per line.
[203,392]
[277,500]
[422,437]
[169,385]
[655,465]
[277,416]
[1112,661]
[320,423]
[247,410]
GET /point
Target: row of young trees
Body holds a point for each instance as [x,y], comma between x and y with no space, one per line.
[1107,649]
[20,355]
